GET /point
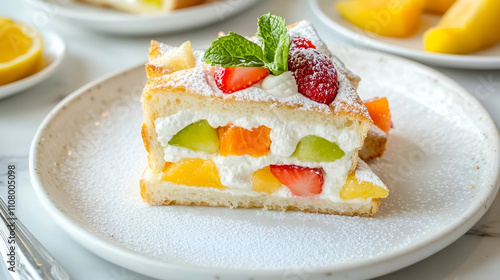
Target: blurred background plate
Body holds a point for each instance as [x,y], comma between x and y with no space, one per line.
[113,21]
[411,47]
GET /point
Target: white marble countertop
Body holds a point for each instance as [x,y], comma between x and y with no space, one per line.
[476,255]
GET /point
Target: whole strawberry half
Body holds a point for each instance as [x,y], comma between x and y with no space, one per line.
[315,74]
[231,79]
[302,181]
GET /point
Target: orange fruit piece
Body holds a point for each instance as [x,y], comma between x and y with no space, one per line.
[237,141]
[380,112]
[20,50]
[354,188]
[193,172]
[264,181]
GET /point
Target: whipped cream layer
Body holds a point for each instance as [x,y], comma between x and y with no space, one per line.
[236,171]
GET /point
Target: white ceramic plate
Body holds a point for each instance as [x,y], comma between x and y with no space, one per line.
[113,21]
[441,165]
[411,47]
[53,52]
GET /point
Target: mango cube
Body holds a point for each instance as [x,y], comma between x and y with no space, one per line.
[393,18]
[193,172]
[354,188]
[264,181]
[468,26]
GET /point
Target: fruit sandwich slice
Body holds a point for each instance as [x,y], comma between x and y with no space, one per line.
[272,121]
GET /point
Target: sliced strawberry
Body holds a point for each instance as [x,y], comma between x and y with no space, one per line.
[301,43]
[315,75]
[302,181]
[231,79]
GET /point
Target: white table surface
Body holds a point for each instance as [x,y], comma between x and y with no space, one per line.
[476,255]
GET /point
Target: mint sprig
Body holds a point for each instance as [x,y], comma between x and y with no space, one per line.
[270,29]
[236,50]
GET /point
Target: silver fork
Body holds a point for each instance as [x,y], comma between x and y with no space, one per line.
[32,260]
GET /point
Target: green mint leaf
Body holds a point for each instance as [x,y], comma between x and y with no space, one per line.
[280,63]
[270,29]
[273,35]
[234,50]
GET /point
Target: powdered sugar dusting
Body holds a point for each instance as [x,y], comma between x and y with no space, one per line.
[377,132]
[198,55]
[306,30]
[164,48]
[194,80]
[365,174]
[436,168]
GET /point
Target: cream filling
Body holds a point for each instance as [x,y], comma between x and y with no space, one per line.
[281,86]
[236,172]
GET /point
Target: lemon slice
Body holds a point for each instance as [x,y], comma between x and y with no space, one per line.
[20,50]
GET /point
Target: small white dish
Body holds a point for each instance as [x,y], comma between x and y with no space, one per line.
[53,52]
[442,166]
[113,21]
[411,47]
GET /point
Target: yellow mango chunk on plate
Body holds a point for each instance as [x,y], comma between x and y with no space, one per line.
[468,26]
[393,18]
[193,172]
[438,6]
[355,188]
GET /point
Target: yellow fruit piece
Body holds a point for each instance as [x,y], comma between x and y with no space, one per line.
[193,172]
[179,58]
[264,181]
[393,18]
[438,6]
[354,188]
[20,50]
[468,26]
[156,3]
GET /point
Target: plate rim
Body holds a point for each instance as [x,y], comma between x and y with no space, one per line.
[43,74]
[370,267]
[437,59]
[121,17]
